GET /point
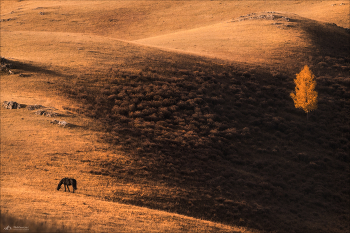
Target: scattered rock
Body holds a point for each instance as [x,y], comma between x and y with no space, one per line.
[34,107]
[42,110]
[25,75]
[6,20]
[270,15]
[11,105]
[48,113]
[6,66]
[60,123]
[3,60]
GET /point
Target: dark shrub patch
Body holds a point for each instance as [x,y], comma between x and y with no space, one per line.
[220,133]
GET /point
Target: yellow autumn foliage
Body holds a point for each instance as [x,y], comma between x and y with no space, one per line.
[305,96]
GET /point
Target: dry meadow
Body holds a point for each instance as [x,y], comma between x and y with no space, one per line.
[179,116]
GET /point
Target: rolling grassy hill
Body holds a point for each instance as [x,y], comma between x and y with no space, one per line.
[196,95]
[229,137]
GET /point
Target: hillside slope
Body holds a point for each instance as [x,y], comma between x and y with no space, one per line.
[36,154]
[258,38]
[131,20]
[170,116]
[229,140]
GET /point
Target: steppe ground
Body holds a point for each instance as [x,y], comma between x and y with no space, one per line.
[56,39]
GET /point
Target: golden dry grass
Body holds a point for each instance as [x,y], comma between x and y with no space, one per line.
[88,214]
[73,37]
[135,20]
[250,41]
[197,27]
[35,155]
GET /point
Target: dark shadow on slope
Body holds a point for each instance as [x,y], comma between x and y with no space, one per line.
[329,39]
[233,140]
[26,67]
[228,139]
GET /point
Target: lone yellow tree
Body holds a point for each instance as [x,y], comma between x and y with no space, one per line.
[305,96]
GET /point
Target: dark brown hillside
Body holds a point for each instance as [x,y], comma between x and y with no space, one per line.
[174,107]
[224,139]
[328,38]
[229,141]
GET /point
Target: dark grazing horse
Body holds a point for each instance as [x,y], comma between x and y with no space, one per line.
[67,181]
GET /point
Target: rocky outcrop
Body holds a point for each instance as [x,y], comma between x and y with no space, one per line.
[6,66]
[11,105]
[42,110]
[34,107]
[45,112]
[60,123]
